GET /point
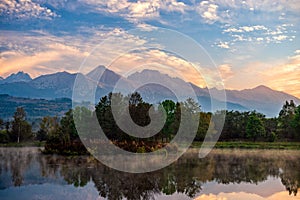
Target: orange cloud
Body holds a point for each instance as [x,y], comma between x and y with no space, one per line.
[246,196]
[285,77]
[56,58]
[165,63]
[226,71]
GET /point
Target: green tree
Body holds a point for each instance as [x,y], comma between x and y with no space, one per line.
[255,128]
[1,123]
[234,126]
[68,129]
[3,133]
[286,116]
[106,119]
[296,122]
[48,126]
[21,129]
[170,108]
[270,125]
[84,122]
[135,99]
[204,122]
[190,116]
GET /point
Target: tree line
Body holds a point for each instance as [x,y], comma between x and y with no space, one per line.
[60,134]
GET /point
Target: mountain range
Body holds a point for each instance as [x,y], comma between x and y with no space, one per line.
[60,85]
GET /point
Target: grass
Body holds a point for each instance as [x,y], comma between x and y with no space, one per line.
[219,145]
[253,145]
[23,144]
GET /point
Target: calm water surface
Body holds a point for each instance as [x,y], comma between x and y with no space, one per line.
[25,173]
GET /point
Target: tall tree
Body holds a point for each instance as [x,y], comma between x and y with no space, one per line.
[48,126]
[296,123]
[204,122]
[1,123]
[286,115]
[21,129]
[170,107]
[255,128]
[270,125]
[135,99]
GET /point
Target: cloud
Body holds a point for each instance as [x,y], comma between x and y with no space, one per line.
[281,75]
[223,45]
[137,11]
[285,76]
[280,37]
[25,9]
[259,34]
[208,11]
[226,71]
[31,51]
[162,61]
[235,12]
[35,50]
[52,59]
[261,5]
[245,29]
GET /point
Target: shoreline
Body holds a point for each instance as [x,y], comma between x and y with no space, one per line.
[252,145]
[219,145]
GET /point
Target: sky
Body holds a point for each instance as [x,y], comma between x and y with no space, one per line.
[251,42]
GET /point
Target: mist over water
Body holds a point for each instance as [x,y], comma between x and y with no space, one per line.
[260,174]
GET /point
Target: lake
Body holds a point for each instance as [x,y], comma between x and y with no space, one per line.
[25,173]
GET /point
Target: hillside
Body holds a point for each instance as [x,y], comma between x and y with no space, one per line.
[35,108]
[60,85]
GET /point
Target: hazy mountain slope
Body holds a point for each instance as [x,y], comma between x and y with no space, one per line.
[35,108]
[18,77]
[261,98]
[58,85]
[157,93]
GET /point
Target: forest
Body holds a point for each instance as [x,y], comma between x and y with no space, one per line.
[60,134]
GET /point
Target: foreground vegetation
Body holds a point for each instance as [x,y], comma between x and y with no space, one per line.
[241,129]
[253,145]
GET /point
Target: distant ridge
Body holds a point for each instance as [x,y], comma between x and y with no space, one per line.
[59,85]
[35,108]
[18,77]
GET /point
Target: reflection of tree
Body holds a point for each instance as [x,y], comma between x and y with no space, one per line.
[16,162]
[186,175]
[290,177]
[254,169]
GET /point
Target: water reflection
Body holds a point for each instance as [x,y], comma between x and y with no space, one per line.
[188,176]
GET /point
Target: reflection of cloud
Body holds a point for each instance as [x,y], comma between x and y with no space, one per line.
[246,196]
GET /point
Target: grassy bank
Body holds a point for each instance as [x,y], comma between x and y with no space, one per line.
[219,145]
[253,145]
[23,144]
